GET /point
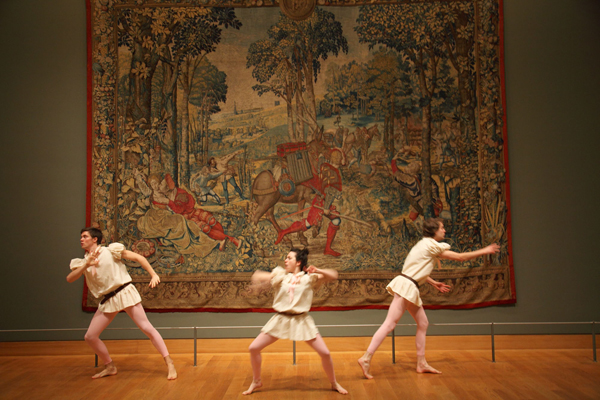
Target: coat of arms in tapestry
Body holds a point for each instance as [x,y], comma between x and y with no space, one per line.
[223,132]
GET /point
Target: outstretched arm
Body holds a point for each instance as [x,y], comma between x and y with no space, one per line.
[261,277]
[325,275]
[228,157]
[260,280]
[130,255]
[451,255]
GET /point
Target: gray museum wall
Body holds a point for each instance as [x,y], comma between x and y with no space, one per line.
[552,84]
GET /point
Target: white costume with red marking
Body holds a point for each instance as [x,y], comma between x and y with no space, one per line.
[293,299]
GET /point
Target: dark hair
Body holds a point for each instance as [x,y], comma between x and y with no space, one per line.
[431,226]
[94,233]
[301,255]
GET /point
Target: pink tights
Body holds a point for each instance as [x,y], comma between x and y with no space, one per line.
[397,308]
[101,320]
[264,339]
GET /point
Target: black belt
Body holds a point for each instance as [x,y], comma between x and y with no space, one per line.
[107,296]
[290,314]
[410,279]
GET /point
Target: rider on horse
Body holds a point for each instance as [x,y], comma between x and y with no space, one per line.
[328,187]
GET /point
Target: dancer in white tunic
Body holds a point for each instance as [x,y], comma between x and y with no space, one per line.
[405,288]
[107,276]
[293,298]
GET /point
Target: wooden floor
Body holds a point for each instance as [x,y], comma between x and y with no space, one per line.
[526,367]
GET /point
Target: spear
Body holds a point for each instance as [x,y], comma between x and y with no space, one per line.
[294,213]
[358,221]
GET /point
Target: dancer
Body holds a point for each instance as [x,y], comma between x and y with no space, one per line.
[107,276]
[293,298]
[405,289]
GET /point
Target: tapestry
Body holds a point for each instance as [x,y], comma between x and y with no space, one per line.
[224,132]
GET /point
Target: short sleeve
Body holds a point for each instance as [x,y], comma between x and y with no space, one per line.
[436,248]
[277,276]
[77,263]
[116,249]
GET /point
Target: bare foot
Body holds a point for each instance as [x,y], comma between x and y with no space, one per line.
[171,373]
[366,368]
[426,368]
[336,387]
[109,370]
[253,386]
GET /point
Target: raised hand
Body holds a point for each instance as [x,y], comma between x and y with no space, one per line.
[311,269]
[91,261]
[92,257]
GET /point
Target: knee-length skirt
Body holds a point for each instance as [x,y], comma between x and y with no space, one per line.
[299,327]
[125,298]
[405,288]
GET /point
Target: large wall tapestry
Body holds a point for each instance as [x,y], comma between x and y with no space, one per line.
[222,132]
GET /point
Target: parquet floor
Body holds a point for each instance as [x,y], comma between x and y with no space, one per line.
[526,367]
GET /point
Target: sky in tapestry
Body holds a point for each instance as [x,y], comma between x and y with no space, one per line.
[230,56]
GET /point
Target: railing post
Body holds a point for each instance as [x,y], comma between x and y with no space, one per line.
[294,351]
[594,339]
[493,344]
[195,344]
[394,346]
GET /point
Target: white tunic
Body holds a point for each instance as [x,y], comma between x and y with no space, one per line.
[418,265]
[110,274]
[296,324]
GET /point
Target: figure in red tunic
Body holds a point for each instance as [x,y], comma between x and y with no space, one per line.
[328,187]
[182,202]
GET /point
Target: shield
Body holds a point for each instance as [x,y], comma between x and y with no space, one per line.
[287,187]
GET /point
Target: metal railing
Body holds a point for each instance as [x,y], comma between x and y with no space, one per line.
[393,333]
